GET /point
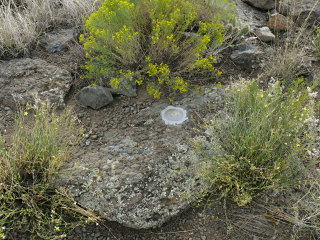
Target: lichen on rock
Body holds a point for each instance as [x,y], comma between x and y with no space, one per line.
[23,80]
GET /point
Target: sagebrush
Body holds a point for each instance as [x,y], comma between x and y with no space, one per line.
[155,42]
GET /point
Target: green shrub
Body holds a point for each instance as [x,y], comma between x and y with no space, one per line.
[156,42]
[28,166]
[223,10]
[259,142]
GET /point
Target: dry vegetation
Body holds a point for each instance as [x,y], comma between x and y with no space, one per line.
[23,21]
[28,168]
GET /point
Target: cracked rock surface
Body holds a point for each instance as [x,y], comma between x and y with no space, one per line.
[143,175]
[23,80]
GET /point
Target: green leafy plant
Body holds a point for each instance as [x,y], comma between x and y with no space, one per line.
[29,202]
[153,42]
[260,141]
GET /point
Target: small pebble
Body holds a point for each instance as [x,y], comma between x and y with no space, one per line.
[94,137]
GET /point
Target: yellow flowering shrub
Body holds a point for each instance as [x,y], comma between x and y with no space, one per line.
[158,43]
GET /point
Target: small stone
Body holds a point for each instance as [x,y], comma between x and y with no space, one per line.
[70,236]
[148,122]
[94,137]
[265,34]
[86,135]
[278,22]
[88,142]
[94,96]
[59,40]
[246,54]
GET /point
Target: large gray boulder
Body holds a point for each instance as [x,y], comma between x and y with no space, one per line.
[145,174]
[262,4]
[23,80]
[131,183]
[94,96]
[304,12]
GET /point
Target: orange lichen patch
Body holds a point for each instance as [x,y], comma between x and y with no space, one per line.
[279,22]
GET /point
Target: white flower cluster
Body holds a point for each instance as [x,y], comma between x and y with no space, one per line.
[313,124]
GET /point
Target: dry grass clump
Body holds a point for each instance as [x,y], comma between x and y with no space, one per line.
[23,21]
[288,62]
[261,141]
[265,145]
[269,141]
[296,210]
[292,54]
[29,202]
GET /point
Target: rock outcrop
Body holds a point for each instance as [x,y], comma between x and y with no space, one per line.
[247,54]
[23,80]
[304,12]
[144,176]
[262,4]
[58,40]
[278,22]
[249,16]
[265,35]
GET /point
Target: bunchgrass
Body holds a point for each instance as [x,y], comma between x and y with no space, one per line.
[260,141]
[23,22]
[291,51]
[290,60]
[29,163]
